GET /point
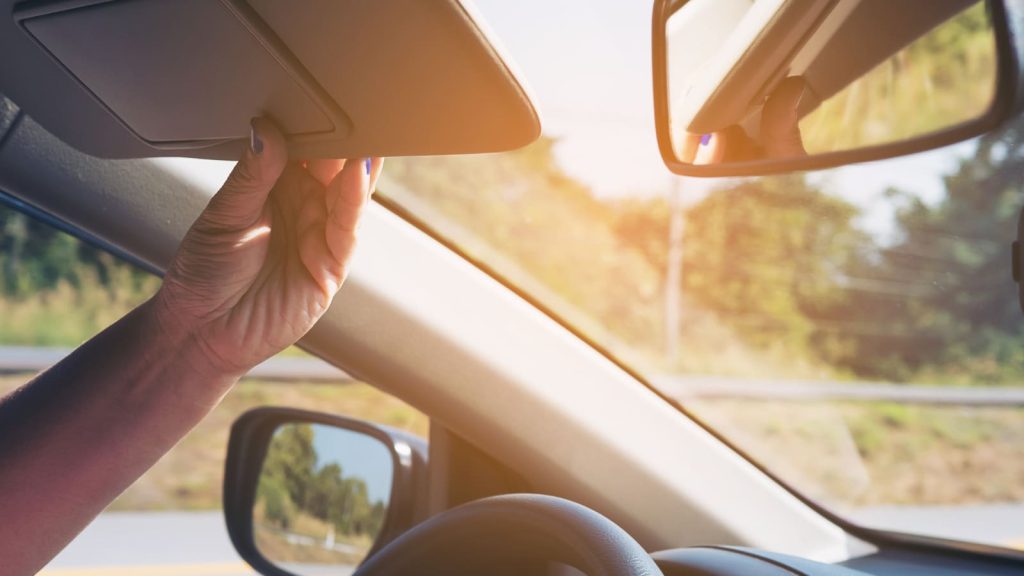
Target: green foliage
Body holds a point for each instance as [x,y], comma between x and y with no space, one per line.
[57,291]
[519,213]
[945,77]
[777,273]
[290,462]
[957,316]
[785,265]
[294,480]
[278,506]
[762,256]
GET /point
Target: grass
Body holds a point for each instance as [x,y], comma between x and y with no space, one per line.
[842,453]
[189,476]
[68,315]
[881,453]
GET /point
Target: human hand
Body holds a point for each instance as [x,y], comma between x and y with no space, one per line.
[264,260]
[779,135]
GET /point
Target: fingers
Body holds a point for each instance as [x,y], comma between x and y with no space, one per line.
[325,170]
[327,227]
[239,202]
[376,166]
[687,148]
[346,198]
[316,256]
[710,149]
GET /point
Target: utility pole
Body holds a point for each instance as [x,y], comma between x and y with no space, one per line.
[674,272]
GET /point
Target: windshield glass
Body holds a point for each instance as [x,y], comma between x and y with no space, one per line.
[855,331]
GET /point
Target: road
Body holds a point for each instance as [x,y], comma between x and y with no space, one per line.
[151,544]
[197,544]
[157,544]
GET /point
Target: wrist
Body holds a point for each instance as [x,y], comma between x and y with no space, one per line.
[182,336]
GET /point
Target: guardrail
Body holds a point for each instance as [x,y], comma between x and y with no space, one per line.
[27,359]
[18,359]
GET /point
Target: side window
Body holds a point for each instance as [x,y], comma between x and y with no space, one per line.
[55,293]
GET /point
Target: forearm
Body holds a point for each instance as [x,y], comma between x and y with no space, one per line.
[81,432]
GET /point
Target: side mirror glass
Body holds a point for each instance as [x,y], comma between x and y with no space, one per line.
[321,498]
[746,87]
[307,494]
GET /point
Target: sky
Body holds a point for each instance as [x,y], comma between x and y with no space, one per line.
[359,456]
[588,65]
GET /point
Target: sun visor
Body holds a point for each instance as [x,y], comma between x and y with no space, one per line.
[343,78]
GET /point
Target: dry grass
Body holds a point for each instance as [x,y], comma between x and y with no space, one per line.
[189,476]
[879,453]
[843,453]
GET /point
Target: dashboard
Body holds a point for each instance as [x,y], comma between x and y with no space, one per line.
[734,560]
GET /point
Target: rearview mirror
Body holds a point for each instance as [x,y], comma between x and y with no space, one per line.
[307,492]
[746,87]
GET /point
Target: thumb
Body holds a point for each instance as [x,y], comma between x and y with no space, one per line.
[240,200]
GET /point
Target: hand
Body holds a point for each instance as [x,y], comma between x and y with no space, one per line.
[779,135]
[264,260]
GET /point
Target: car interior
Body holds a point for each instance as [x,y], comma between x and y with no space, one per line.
[547,454]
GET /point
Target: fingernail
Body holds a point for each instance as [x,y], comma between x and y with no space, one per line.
[368,166]
[704,139]
[255,142]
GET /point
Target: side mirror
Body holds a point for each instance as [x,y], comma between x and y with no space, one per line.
[305,491]
[751,87]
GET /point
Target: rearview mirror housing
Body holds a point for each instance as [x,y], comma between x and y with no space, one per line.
[305,490]
[755,87]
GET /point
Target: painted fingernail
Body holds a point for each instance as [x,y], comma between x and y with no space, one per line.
[255,142]
[704,139]
[368,166]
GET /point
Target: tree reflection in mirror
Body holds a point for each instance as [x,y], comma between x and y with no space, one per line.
[322,498]
[945,77]
[742,87]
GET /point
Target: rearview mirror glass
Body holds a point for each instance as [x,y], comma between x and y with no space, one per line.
[321,499]
[759,86]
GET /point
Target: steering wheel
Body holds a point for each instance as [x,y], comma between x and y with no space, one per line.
[511,529]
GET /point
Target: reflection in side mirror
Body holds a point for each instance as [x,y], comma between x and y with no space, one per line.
[307,493]
[322,497]
[760,86]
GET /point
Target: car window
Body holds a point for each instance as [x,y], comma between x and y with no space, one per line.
[855,331]
[55,293]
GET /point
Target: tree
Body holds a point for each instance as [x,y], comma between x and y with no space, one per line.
[291,461]
[764,256]
[959,313]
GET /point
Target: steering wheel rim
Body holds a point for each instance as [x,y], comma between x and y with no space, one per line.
[513,528]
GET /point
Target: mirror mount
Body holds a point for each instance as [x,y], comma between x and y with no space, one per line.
[1006,101]
[250,439]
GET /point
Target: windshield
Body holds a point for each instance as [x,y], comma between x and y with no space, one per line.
[855,331]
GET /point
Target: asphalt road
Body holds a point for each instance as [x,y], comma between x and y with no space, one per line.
[158,544]
[197,544]
[151,544]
